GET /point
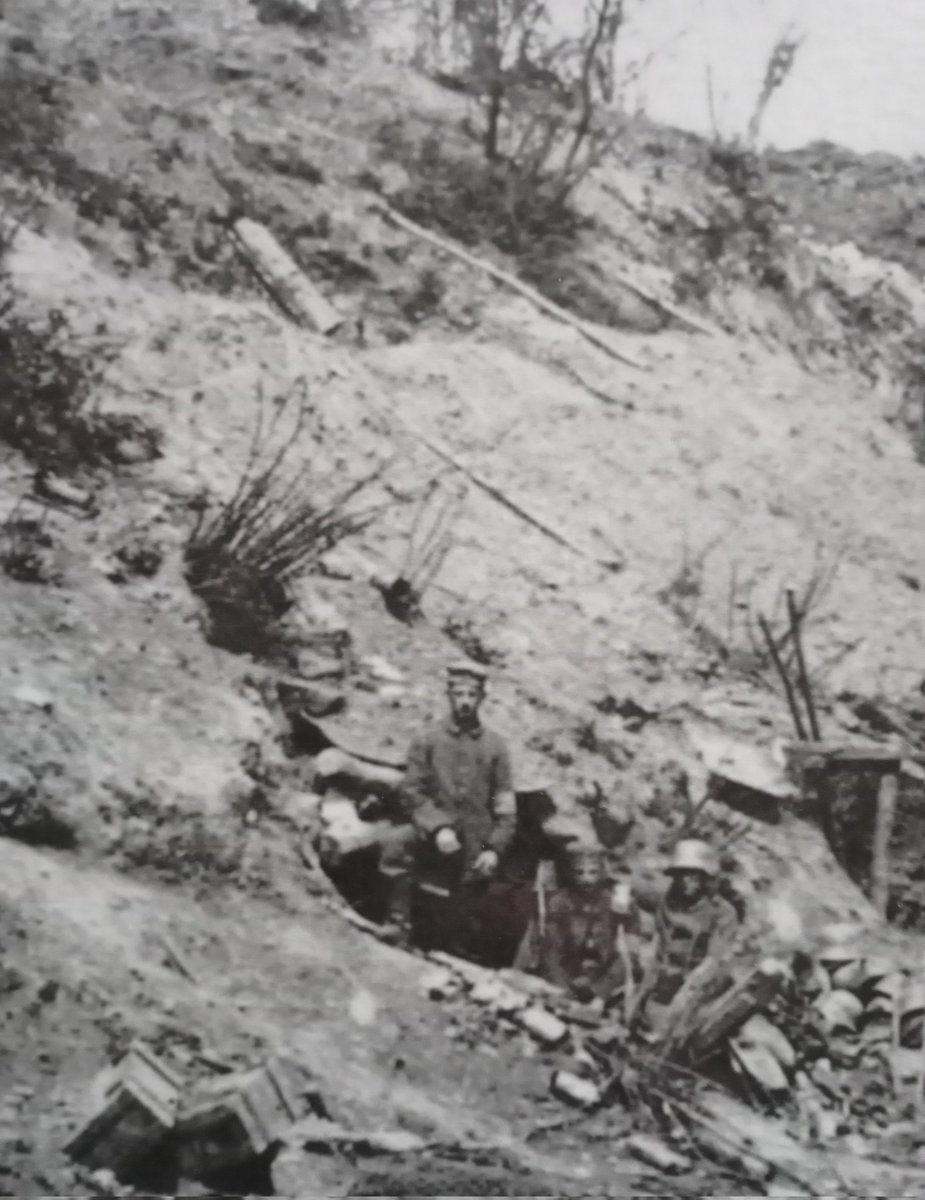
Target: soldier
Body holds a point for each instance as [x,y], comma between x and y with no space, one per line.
[690,921]
[459,796]
[574,943]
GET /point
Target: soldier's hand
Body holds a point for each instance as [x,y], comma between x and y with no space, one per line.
[447,842]
[486,864]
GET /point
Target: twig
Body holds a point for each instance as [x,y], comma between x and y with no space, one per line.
[802,678]
[513,282]
[176,958]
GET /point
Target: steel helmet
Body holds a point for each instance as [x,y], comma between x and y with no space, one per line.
[691,854]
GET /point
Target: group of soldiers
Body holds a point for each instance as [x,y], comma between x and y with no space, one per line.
[452,884]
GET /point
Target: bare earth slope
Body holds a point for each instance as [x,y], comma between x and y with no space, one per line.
[145,738]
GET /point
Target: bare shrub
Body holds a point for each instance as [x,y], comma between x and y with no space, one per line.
[245,552]
[720,613]
[48,377]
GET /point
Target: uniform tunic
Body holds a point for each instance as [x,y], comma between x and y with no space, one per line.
[461,778]
[578,948]
[685,936]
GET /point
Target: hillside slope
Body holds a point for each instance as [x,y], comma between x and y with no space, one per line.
[713,477]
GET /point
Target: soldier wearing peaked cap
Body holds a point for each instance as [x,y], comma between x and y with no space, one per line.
[458,793]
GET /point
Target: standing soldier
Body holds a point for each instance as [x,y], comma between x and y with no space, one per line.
[459,796]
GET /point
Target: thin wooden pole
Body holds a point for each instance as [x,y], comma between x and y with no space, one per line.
[536,298]
[883,831]
[784,678]
[802,677]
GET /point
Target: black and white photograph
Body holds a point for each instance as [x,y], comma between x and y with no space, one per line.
[462,599]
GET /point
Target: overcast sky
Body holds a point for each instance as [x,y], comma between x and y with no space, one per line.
[859,78]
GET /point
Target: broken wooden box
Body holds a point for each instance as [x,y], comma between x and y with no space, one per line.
[232,1120]
[133,1106]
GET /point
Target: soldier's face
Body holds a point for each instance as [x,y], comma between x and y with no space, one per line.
[587,874]
[691,884]
[466,696]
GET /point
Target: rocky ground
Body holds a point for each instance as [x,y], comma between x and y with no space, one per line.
[155,771]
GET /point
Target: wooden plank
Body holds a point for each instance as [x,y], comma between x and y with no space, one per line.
[885,757]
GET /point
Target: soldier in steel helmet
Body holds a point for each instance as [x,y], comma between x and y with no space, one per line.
[691,921]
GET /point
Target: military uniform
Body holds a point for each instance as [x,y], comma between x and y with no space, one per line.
[684,936]
[577,949]
[457,777]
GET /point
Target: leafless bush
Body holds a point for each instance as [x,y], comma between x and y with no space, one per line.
[48,376]
[721,613]
[244,553]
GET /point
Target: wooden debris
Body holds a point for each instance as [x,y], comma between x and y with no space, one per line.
[511,281]
[134,1106]
[283,279]
[655,1153]
[229,1121]
[796,623]
[725,1017]
[62,493]
[175,958]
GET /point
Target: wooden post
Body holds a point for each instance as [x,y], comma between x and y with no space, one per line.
[883,831]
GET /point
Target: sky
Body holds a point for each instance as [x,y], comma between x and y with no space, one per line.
[858,79]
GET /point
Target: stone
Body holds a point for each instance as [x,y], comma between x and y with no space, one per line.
[33,697]
[583,1093]
[543,1025]
[440,984]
